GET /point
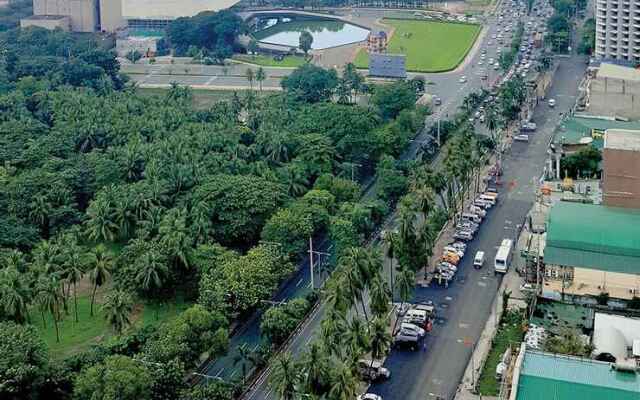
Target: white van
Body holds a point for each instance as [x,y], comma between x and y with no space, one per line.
[503,257]
[417,317]
[470,217]
[478,260]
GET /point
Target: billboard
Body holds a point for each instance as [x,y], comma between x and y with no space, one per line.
[387,65]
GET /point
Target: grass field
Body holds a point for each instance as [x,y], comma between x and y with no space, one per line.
[269,61]
[509,333]
[429,46]
[77,337]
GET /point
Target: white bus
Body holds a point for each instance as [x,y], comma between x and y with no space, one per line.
[503,257]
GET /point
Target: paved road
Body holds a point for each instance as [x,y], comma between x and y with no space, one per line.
[452,92]
[466,304]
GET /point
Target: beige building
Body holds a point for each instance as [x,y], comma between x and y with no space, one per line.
[111,18]
[592,249]
[83,14]
[47,22]
[621,168]
[614,92]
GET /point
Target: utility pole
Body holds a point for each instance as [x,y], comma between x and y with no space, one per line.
[311,263]
[438,131]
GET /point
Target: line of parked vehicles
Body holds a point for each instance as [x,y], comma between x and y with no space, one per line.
[466,229]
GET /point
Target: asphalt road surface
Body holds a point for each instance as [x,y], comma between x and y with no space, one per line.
[464,307]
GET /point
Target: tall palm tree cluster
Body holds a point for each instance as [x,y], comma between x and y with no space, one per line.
[47,281]
[356,325]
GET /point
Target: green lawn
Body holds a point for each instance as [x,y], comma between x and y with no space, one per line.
[429,46]
[509,333]
[77,337]
[269,61]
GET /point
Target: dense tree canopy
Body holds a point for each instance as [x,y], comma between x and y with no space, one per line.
[23,361]
[213,31]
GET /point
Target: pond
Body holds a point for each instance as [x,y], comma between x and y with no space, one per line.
[325,33]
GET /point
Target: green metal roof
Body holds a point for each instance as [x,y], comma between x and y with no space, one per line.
[593,236]
[545,376]
[571,130]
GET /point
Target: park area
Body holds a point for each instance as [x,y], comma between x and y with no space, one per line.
[429,46]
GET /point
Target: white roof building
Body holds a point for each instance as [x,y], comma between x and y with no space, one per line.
[616,338]
[170,9]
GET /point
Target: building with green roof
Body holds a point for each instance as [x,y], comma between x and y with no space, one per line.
[592,249]
[545,376]
[575,133]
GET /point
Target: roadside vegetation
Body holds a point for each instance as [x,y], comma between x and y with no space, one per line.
[509,335]
[429,46]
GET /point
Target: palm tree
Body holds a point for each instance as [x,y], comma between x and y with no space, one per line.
[117,308]
[152,270]
[338,295]
[101,224]
[391,240]
[426,201]
[250,77]
[74,271]
[14,294]
[333,327]
[99,270]
[380,339]
[48,295]
[315,369]
[285,377]
[260,76]
[39,214]
[405,282]
[380,296]
[356,338]
[344,384]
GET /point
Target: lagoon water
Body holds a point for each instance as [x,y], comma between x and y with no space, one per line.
[325,33]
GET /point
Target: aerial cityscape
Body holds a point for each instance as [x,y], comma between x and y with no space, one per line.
[319,199]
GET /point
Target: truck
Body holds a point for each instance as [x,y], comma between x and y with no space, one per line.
[503,256]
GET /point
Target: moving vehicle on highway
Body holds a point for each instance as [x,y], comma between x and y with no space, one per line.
[478,260]
[503,256]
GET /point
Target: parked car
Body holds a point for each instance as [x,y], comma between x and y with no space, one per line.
[521,138]
[528,127]
[448,266]
[369,396]
[406,340]
[451,249]
[372,370]
[478,211]
[463,235]
[416,317]
[412,328]
[459,246]
[450,257]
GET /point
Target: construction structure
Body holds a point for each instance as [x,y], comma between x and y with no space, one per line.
[621,169]
[377,42]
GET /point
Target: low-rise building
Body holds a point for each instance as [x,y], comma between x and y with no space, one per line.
[592,249]
[615,92]
[616,339]
[544,376]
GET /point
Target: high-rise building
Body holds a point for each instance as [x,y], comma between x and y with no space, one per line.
[618,30]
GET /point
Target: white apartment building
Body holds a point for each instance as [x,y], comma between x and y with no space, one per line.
[618,30]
